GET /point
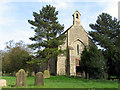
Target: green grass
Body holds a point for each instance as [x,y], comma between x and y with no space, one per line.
[64,82]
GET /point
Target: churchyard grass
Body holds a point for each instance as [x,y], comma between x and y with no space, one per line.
[63,82]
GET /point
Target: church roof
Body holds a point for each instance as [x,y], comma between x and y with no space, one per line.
[71,26]
[67,29]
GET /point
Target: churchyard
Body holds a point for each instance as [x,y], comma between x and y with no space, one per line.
[38,81]
[78,65]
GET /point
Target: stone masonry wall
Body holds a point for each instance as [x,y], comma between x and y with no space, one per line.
[76,36]
[61,60]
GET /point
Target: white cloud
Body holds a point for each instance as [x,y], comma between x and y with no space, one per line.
[12,28]
[112,8]
[6,18]
[60,5]
[16,35]
[3,9]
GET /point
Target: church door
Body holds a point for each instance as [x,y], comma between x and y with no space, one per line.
[78,68]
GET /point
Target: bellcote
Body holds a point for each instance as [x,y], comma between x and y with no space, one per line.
[76,18]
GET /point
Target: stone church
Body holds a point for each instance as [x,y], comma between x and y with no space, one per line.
[77,38]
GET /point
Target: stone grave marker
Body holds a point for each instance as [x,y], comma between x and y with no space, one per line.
[20,78]
[46,74]
[27,73]
[33,73]
[39,79]
[14,73]
[2,82]
[83,74]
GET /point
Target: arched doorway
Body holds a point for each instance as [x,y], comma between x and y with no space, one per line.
[79,48]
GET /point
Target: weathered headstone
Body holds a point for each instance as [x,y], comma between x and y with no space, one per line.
[39,79]
[83,74]
[14,73]
[20,78]
[27,73]
[105,76]
[33,73]
[0,73]
[2,82]
[88,76]
[46,74]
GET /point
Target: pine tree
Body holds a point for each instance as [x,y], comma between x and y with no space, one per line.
[47,33]
[106,33]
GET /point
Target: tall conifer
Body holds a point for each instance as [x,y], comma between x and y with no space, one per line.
[47,33]
[106,33]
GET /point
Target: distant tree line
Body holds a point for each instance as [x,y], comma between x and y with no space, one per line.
[15,57]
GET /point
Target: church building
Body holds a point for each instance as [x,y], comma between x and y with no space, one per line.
[77,39]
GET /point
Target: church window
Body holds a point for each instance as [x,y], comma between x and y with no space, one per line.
[77,16]
[77,49]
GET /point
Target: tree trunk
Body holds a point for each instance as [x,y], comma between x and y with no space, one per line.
[48,65]
[48,62]
[85,75]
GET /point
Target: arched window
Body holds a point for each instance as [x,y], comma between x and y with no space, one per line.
[77,16]
[77,49]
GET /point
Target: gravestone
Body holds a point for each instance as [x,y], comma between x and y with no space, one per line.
[14,73]
[2,82]
[27,73]
[83,74]
[105,76]
[20,78]
[88,76]
[0,73]
[33,73]
[46,74]
[39,79]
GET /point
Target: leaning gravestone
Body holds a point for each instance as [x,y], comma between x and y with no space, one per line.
[39,79]
[46,74]
[20,78]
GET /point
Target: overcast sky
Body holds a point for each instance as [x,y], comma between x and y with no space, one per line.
[14,15]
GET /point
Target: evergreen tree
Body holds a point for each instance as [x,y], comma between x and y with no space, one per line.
[93,63]
[106,33]
[47,34]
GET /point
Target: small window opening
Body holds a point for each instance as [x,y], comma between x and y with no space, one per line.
[77,16]
[77,49]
